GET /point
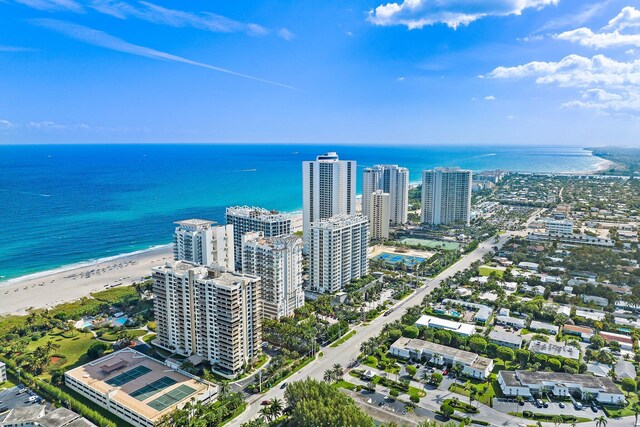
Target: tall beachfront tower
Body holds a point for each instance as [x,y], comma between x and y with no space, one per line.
[201,242]
[212,314]
[278,263]
[337,252]
[393,180]
[446,196]
[379,215]
[246,219]
[328,189]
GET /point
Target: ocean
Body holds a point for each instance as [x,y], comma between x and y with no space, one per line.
[64,204]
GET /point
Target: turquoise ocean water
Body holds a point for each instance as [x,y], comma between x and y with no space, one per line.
[64,204]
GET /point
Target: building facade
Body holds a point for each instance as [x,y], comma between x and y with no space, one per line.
[393,180]
[328,189]
[3,372]
[246,219]
[446,196]
[473,365]
[379,215]
[200,242]
[278,263]
[337,252]
[216,315]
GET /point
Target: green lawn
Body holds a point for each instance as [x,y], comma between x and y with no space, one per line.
[614,411]
[486,270]
[343,338]
[345,384]
[486,390]
[431,244]
[113,335]
[73,346]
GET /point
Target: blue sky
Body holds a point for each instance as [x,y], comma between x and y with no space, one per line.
[553,72]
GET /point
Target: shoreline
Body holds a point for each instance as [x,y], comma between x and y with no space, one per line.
[70,283]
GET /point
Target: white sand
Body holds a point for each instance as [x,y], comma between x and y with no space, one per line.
[55,287]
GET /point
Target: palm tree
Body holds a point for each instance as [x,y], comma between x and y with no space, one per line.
[337,371]
[636,411]
[225,388]
[473,395]
[265,413]
[601,421]
[328,376]
[276,407]
[557,420]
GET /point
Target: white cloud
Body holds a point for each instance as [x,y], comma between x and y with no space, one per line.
[53,5]
[153,13]
[286,34]
[629,17]
[5,124]
[616,36]
[489,98]
[107,41]
[604,84]
[574,19]
[400,79]
[420,13]
[510,117]
[50,125]
[15,49]
[349,33]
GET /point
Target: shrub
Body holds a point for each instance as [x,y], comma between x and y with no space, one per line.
[394,393]
[414,398]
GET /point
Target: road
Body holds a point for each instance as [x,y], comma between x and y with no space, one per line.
[347,352]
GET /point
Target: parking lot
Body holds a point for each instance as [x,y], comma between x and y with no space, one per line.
[16,397]
[510,405]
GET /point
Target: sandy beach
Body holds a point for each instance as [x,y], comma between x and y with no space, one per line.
[52,288]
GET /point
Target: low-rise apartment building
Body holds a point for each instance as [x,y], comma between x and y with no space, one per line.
[560,384]
[473,365]
[463,329]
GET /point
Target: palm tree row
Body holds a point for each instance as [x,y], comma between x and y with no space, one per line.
[334,374]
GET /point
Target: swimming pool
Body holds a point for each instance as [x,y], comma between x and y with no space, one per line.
[120,321]
[454,313]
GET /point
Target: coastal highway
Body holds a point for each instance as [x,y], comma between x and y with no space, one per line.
[349,350]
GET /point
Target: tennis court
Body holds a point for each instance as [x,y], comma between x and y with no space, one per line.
[408,260]
[128,376]
[172,397]
[432,244]
[149,390]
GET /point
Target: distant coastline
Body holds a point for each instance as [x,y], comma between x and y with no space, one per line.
[131,211]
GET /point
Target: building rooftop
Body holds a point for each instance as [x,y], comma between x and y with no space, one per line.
[609,336]
[566,351]
[543,325]
[338,221]
[195,224]
[140,383]
[578,329]
[436,322]
[604,384]
[465,357]
[506,337]
[24,413]
[256,212]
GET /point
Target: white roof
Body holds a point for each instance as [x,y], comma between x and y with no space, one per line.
[435,322]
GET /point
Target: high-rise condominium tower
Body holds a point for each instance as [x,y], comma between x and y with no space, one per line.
[328,189]
[337,252]
[200,242]
[278,263]
[446,196]
[379,215]
[205,312]
[246,219]
[393,180]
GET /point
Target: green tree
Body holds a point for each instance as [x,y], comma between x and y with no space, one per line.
[628,385]
[410,332]
[317,404]
[505,353]
[447,410]
[412,370]
[522,356]
[477,344]
[601,421]
[554,364]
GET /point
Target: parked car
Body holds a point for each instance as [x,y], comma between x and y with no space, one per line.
[561,405]
[4,409]
[266,402]
[578,405]
[31,399]
[283,386]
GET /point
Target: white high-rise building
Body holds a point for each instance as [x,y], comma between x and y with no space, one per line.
[200,242]
[446,196]
[278,263]
[393,180]
[379,215]
[246,219]
[337,252]
[328,189]
[205,312]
